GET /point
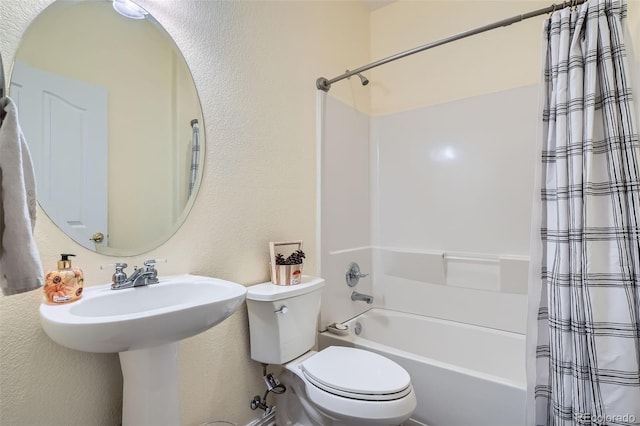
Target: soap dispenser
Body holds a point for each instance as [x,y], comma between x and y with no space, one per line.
[65,284]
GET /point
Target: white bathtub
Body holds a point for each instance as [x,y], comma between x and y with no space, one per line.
[463,375]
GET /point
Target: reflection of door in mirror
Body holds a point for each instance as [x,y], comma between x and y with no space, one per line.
[65,121]
[151,103]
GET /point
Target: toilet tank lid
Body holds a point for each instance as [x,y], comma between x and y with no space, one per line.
[268,292]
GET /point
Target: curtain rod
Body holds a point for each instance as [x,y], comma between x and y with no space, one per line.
[324,84]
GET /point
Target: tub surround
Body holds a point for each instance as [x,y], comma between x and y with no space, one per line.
[345,216]
[455,235]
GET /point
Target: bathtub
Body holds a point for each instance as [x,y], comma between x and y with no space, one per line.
[463,375]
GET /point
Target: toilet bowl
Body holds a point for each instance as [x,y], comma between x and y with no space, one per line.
[337,386]
[345,386]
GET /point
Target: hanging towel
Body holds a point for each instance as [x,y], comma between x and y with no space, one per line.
[20,267]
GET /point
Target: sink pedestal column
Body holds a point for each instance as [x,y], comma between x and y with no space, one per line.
[150,386]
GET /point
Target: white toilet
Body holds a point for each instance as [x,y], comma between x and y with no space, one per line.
[337,386]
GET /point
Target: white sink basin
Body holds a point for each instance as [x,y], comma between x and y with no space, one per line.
[144,324]
[106,320]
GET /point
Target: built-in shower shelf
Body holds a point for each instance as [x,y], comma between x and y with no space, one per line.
[480,271]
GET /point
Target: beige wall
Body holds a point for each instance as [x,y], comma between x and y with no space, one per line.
[255,65]
[497,60]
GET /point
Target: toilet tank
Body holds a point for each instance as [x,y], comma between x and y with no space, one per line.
[283,319]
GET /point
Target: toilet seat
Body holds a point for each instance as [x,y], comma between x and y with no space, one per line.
[356,374]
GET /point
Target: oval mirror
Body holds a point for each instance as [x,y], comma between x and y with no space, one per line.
[112,118]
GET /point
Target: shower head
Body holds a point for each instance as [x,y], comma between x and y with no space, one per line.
[363,79]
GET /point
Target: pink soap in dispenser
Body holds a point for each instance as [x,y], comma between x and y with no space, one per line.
[65,284]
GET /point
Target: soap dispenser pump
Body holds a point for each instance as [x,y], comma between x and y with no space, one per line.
[65,284]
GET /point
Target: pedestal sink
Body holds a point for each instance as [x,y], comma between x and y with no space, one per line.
[144,325]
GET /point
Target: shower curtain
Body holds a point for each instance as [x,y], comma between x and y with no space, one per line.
[584,356]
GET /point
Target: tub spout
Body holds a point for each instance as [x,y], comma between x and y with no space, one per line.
[355,296]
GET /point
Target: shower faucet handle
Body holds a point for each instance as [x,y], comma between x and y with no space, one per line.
[353,274]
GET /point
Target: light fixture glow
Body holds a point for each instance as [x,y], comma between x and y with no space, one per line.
[444,154]
[129,9]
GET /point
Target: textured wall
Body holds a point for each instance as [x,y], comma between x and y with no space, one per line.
[255,65]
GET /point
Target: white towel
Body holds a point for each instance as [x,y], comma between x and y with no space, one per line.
[21,269]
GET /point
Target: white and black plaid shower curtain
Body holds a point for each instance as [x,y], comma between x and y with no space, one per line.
[587,365]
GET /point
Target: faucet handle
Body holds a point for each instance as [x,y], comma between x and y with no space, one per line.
[353,275]
[151,263]
[150,269]
[119,277]
[118,265]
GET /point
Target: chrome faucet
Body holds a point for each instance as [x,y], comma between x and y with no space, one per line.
[145,275]
[142,276]
[355,296]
